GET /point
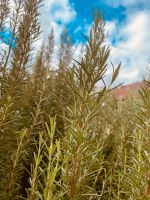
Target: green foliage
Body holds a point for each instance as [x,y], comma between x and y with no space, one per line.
[46,166]
[62,133]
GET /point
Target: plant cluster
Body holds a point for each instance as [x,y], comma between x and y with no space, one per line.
[63,135]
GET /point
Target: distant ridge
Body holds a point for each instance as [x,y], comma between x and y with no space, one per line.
[123,91]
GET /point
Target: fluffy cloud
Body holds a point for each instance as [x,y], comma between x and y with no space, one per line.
[61,10]
[56,14]
[131,46]
[137,31]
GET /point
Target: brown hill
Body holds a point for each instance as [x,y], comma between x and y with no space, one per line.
[123,91]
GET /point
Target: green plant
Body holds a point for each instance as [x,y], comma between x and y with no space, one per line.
[63,135]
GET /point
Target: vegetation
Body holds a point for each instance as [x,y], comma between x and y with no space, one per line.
[63,135]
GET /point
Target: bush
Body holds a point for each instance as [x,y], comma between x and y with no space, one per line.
[63,134]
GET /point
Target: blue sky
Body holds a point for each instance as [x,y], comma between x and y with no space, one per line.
[128,23]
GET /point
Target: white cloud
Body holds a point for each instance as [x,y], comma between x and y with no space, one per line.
[126,2]
[134,49]
[60,10]
[137,31]
[111,27]
[56,14]
[130,76]
[78,49]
